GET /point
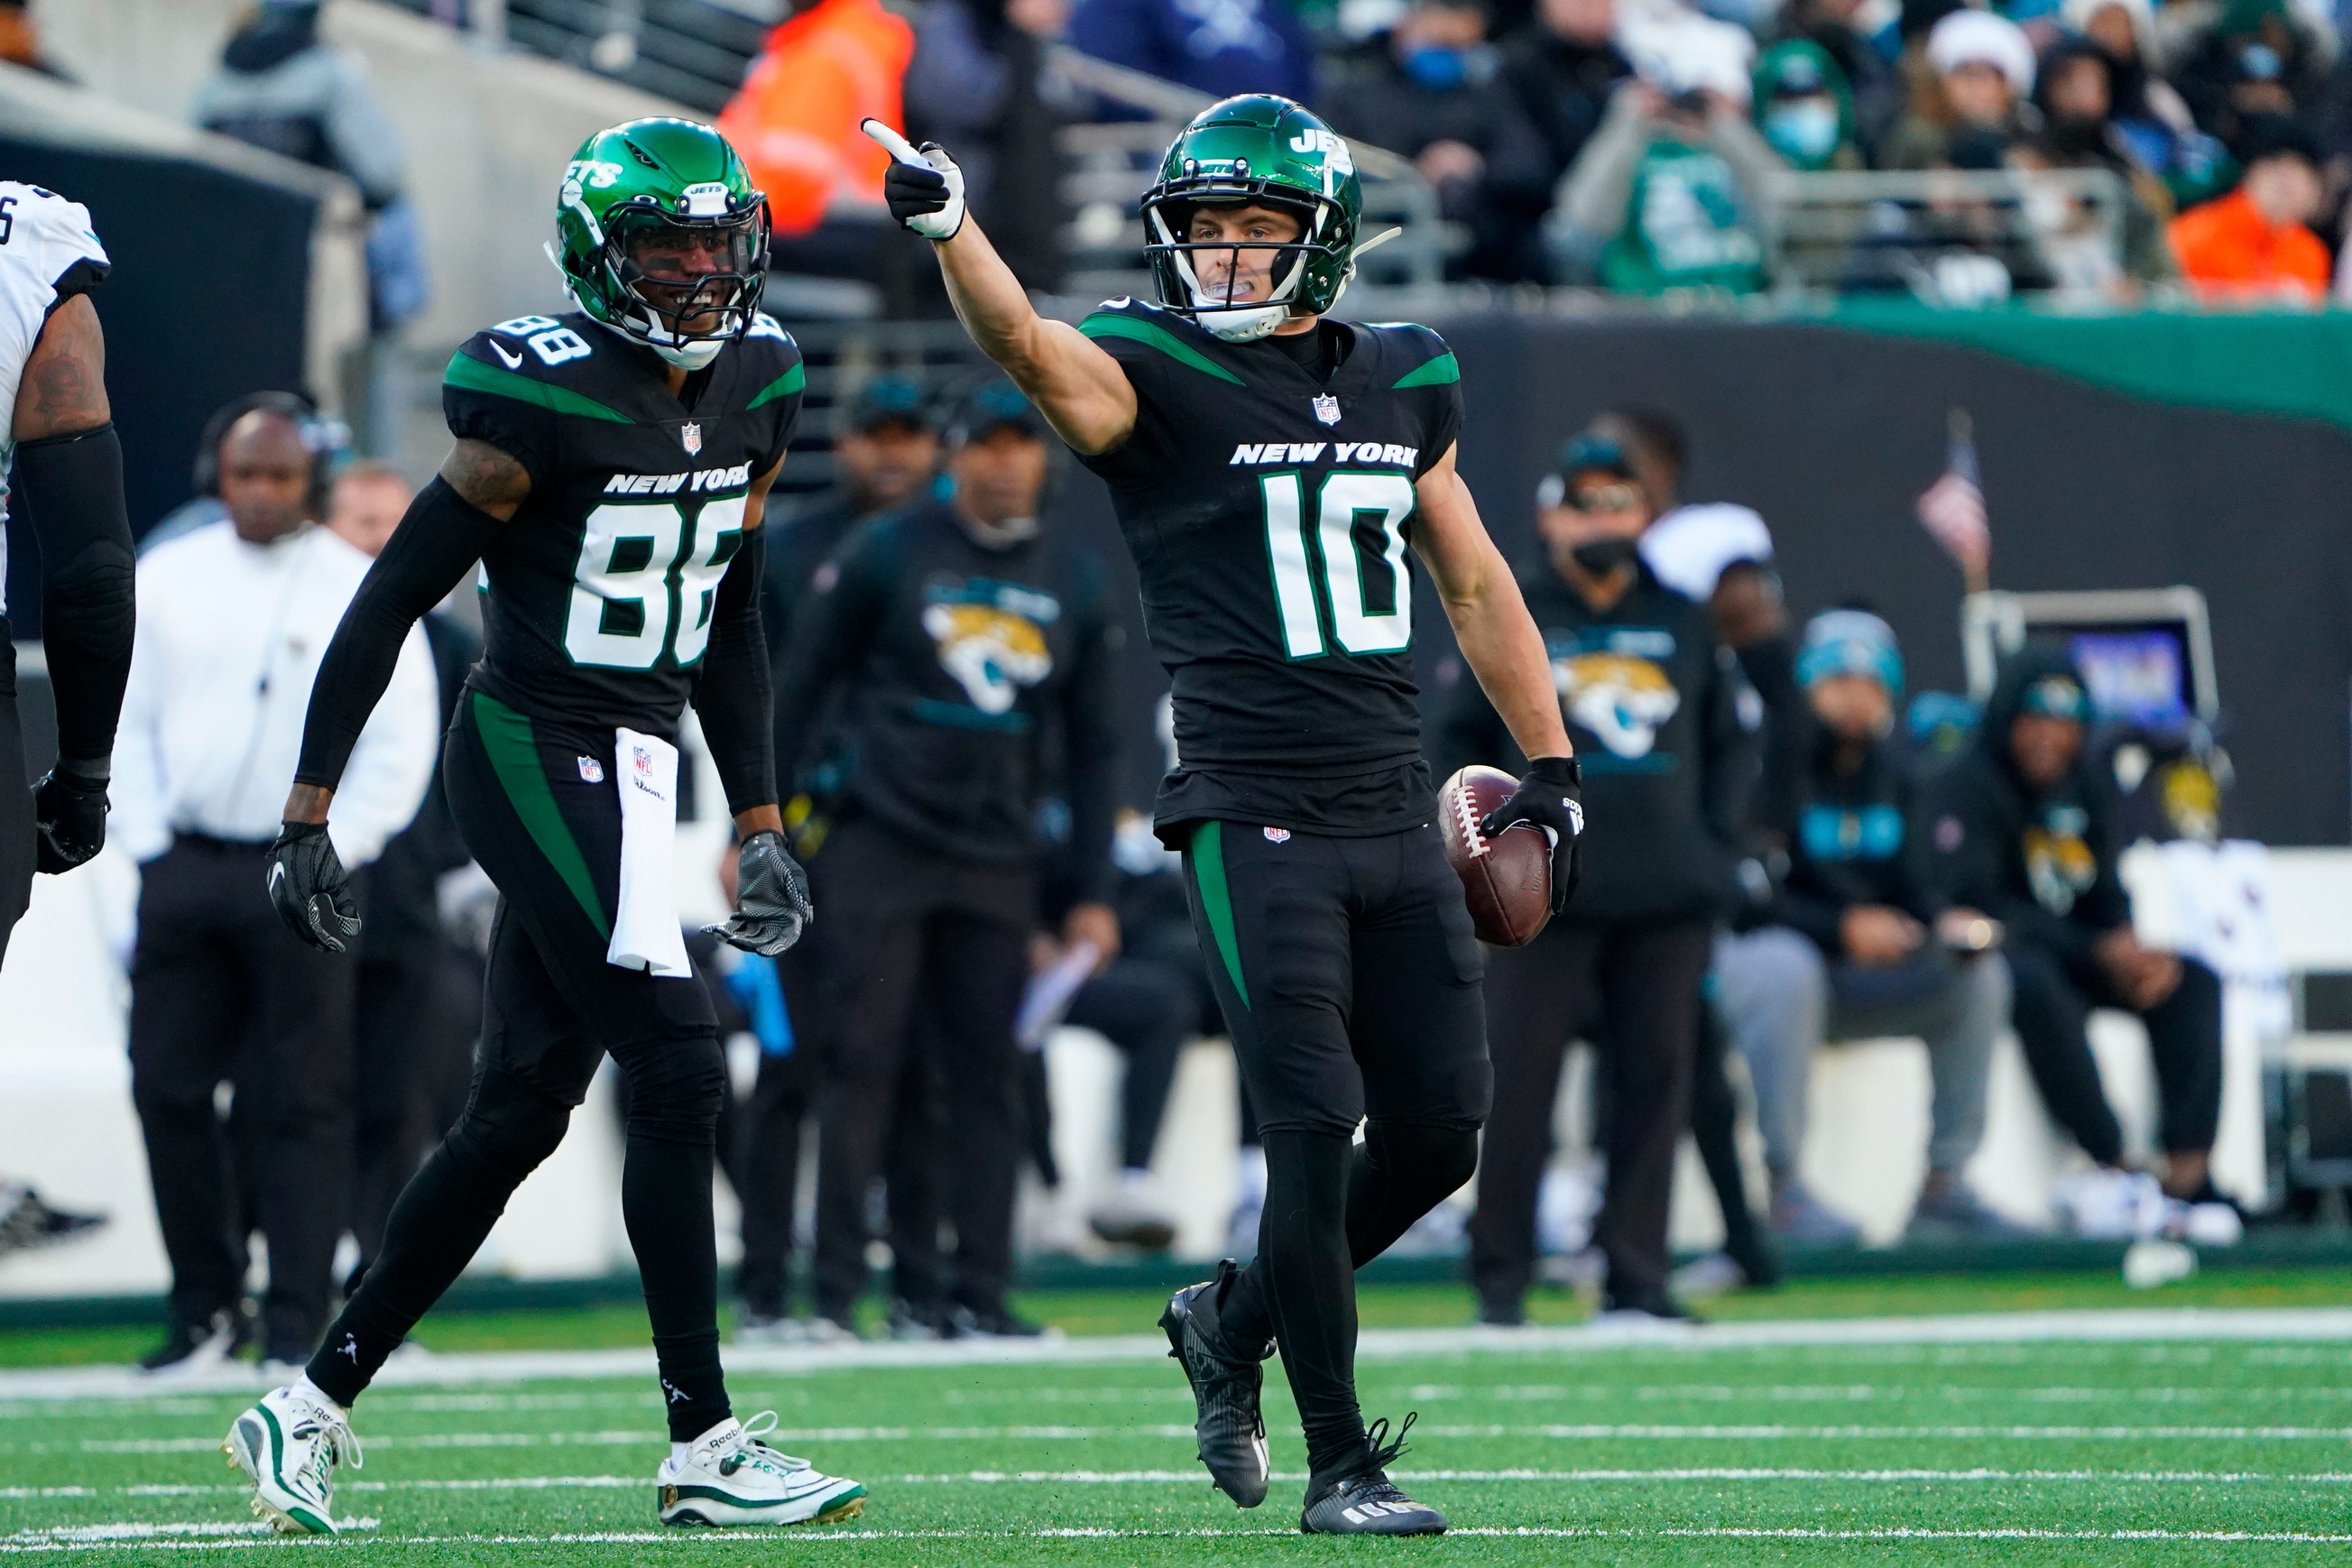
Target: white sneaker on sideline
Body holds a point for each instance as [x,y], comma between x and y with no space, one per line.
[288,1446]
[731,1477]
[1132,1217]
[2105,1204]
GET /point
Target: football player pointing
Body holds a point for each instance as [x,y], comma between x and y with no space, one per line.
[1271,470]
[609,474]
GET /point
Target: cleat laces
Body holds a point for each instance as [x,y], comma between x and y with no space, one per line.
[748,1450]
[331,1442]
[1372,1485]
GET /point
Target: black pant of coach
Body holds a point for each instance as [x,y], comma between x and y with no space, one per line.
[221,992]
[928,955]
[1633,987]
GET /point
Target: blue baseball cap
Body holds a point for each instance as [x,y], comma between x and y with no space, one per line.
[1850,642]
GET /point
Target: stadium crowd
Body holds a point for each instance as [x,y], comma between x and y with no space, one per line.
[1777,863]
[1634,144]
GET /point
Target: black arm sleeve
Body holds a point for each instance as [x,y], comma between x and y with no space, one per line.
[443,534]
[733,696]
[1090,733]
[72,487]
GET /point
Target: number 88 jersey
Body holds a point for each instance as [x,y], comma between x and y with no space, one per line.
[598,596]
[1270,510]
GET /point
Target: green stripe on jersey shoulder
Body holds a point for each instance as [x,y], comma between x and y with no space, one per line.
[1151,334]
[1443,371]
[791,381]
[513,749]
[475,376]
[1208,858]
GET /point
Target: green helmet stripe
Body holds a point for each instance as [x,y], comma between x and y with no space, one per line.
[475,376]
[1158,337]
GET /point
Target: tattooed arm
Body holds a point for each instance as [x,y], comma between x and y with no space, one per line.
[63,392]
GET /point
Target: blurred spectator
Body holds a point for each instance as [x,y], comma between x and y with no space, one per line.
[234,618]
[281,88]
[2258,68]
[1874,85]
[885,456]
[1432,96]
[1562,67]
[1666,194]
[827,65]
[1979,75]
[980,83]
[2255,244]
[2021,831]
[1803,108]
[419,1005]
[1650,702]
[327,439]
[2148,117]
[960,637]
[1221,48]
[1858,944]
[20,45]
[2075,93]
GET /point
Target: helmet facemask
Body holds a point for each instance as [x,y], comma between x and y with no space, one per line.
[1211,274]
[683,287]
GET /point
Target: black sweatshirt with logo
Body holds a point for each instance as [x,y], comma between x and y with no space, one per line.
[2042,862]
[1651,698]
[1854,838]
[974,680]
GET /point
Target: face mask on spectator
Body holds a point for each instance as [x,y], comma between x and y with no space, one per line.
[1802,130]
[1602,557]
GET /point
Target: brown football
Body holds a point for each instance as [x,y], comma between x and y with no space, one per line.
[1506,880]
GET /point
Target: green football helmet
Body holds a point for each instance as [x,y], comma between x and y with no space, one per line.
[1267,151]
[661,237]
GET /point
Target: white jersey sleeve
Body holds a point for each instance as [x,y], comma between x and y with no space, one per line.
[49,253]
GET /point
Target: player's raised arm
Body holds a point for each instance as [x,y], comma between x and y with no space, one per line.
[1499,641]
[444,533]
[1081,390]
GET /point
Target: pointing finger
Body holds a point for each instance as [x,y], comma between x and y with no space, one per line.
[898,146]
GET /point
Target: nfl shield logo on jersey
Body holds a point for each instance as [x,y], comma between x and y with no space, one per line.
[1327,408]
[692,435]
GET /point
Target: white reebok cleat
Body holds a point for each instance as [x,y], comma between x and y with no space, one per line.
[731,1477]
[290,1445]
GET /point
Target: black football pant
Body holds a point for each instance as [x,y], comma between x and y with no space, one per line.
[929,957]
[2051,1006]
[553,1008]
[16,840]
[1633,988]
[413,1035]
[221,992]
[1348,977]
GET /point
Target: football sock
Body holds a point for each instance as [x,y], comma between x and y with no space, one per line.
[303,1388]
[665,1204]
[1301,1289]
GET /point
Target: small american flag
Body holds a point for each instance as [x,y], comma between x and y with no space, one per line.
[1953,509]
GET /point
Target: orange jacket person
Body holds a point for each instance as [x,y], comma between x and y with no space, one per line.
[825,68]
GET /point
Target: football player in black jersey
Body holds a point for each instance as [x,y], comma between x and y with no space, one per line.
[1274,473]
[609,476]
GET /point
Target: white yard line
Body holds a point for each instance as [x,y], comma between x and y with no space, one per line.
[2137,1325]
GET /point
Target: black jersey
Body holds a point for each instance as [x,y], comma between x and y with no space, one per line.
[1270,512]
[599,593]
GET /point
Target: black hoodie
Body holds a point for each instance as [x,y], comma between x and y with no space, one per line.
[2042,863]
[1855,841]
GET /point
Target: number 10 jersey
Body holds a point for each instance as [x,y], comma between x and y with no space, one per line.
[598,596]
[1270,512]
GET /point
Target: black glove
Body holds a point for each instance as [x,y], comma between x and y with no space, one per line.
[307,885]
[923,186]
[70,819]
[772,898]
[1550,796]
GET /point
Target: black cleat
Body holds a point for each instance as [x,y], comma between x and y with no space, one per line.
[1365,1501]
[1230,1427]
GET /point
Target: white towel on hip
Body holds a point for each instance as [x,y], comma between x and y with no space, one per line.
[646,933]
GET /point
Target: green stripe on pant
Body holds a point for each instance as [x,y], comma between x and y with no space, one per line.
[513,750]
[1208,861]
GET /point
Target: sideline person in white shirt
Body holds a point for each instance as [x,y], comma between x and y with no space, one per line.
[233,619]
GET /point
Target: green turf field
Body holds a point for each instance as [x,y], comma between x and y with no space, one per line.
[2178,1452]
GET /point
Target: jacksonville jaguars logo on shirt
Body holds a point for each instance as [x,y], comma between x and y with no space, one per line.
[1611,685]
[2059,866]
[991,637]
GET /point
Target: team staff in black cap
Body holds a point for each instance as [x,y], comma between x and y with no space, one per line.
[1648,692]
[976,673]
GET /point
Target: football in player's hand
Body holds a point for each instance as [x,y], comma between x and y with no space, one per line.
[1506,880]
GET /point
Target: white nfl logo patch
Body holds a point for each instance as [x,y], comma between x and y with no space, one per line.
[591,770]
[1327,408]
[1278,835]
[692,435]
